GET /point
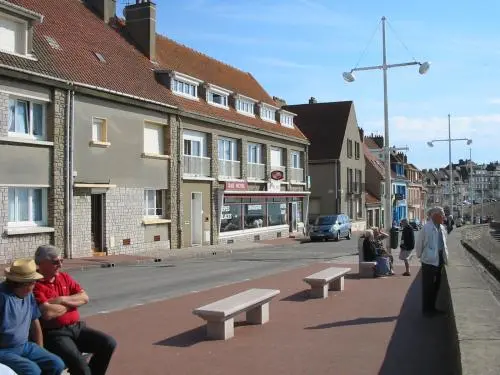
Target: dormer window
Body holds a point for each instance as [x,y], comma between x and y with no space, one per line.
[184,85]
[286,119]
[16,29]
[245,105]
[218,96]
[267,112]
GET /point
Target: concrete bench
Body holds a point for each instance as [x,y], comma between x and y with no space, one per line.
[332,278]
[366,269]
[220,314]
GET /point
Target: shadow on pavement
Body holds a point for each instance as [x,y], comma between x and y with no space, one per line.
[186,339]
[301,296]
[354,322]
[421,345]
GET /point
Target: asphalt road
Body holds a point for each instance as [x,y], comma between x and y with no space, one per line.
[112,289]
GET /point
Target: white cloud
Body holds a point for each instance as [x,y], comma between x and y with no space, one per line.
[494,101]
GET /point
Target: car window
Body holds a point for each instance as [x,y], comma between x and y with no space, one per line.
[326,220]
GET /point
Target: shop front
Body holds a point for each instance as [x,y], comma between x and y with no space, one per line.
[249,214]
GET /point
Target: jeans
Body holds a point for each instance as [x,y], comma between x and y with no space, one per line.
[30,359]
[71,341]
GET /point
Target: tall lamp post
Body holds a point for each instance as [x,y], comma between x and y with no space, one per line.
[349,77]
[449,140]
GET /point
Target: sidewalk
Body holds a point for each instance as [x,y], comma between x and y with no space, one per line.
[169,254]
[373,327]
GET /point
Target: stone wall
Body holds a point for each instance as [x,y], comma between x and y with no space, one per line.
[82,220]
[266,234]
[174,196]
[4,114]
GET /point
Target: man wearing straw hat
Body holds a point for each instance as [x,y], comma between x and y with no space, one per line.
[19,316]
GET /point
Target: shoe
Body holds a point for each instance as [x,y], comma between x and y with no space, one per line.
[406,274]
[391,272]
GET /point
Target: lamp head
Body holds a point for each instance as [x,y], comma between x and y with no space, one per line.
[348,77]
[469,141]
[430,144]
[424,67]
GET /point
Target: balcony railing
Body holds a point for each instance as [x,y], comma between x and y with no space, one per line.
[196,166]
[297,174]
[279,168]
[256,171]
[229,168]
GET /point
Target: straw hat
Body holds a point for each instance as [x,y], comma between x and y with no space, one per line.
[22,270]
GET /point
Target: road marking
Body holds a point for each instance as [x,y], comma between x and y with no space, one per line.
[246,279]
[194,291]
[103,312]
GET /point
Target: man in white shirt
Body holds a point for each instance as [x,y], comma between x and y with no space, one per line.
[433,253]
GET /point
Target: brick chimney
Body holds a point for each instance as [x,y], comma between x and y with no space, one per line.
[105,9]
[313,100]
[279,101]
[378,139]
[140,21]
[361,134]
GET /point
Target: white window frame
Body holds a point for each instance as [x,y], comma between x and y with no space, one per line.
[245,105]
[257,148]
[286,119]
[280,150]
[30,222]
[21,28]
[268,113]
[233,147]
[161,139]
[155,203]
[211,90]
[30,134]
[193,136]
[104,130]
[296,157]
[177,79]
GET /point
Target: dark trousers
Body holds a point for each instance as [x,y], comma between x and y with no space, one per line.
[431,281]
[71,341]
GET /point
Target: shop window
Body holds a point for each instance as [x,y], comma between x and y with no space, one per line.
[231,218]
[255,215]
[276,214]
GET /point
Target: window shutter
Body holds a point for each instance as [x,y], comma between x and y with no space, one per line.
[8,31]
[153,139]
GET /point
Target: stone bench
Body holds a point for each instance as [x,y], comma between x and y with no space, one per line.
[220,314]
[332,278]
[366,269]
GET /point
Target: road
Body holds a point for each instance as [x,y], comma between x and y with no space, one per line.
[112,289]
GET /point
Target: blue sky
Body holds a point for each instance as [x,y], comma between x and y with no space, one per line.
[299,48]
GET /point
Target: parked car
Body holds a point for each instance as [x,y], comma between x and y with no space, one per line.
[331,227]
[459,222]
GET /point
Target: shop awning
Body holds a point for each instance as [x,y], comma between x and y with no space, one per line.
[281,194]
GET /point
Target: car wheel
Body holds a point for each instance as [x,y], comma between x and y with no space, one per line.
[337,236]
[349,235]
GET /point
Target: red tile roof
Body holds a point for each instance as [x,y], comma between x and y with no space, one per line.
[371,199]
[81,33]
[373,160]
[371,143]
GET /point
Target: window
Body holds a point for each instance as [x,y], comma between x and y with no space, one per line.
[254,153]
[231,217]
[245,106]
[153,203]
[13,34]
[267,113]
[217,97]
[349,180]
[228,149]
[356,150]
[349,148]
[27,206]
[192,147]
[99,130]
[153,139]
[184,88]
[295,159]
[276,157]
[26,118]
[286,120]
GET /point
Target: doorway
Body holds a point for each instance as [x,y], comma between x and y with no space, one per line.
[292,216]
[196,219]
[97,222]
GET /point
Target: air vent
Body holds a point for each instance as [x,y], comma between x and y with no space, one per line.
[52,42]
[100,57]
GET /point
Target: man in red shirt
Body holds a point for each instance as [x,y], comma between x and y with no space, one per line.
[59,296]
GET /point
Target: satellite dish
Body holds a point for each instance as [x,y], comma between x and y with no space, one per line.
[424,67]
[348,77]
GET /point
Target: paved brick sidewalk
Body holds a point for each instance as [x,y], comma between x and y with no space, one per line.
[373,327]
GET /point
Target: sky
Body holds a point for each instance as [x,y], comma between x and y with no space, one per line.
[299,48]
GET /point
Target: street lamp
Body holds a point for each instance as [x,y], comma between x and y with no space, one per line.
[449,140]
[350,77]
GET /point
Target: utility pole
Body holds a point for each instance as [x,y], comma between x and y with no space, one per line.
[471,187]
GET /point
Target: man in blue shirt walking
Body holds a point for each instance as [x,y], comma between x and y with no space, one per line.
[19,316]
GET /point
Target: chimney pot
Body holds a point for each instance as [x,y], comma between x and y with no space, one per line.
[313,100]
[105,9]
[140,21]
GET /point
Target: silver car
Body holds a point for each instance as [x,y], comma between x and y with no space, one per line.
[331,227]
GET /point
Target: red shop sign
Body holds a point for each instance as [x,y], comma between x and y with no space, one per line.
[236,185]
[277,175]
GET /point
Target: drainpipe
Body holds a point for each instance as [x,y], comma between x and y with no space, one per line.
[70,180]
[68,184]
